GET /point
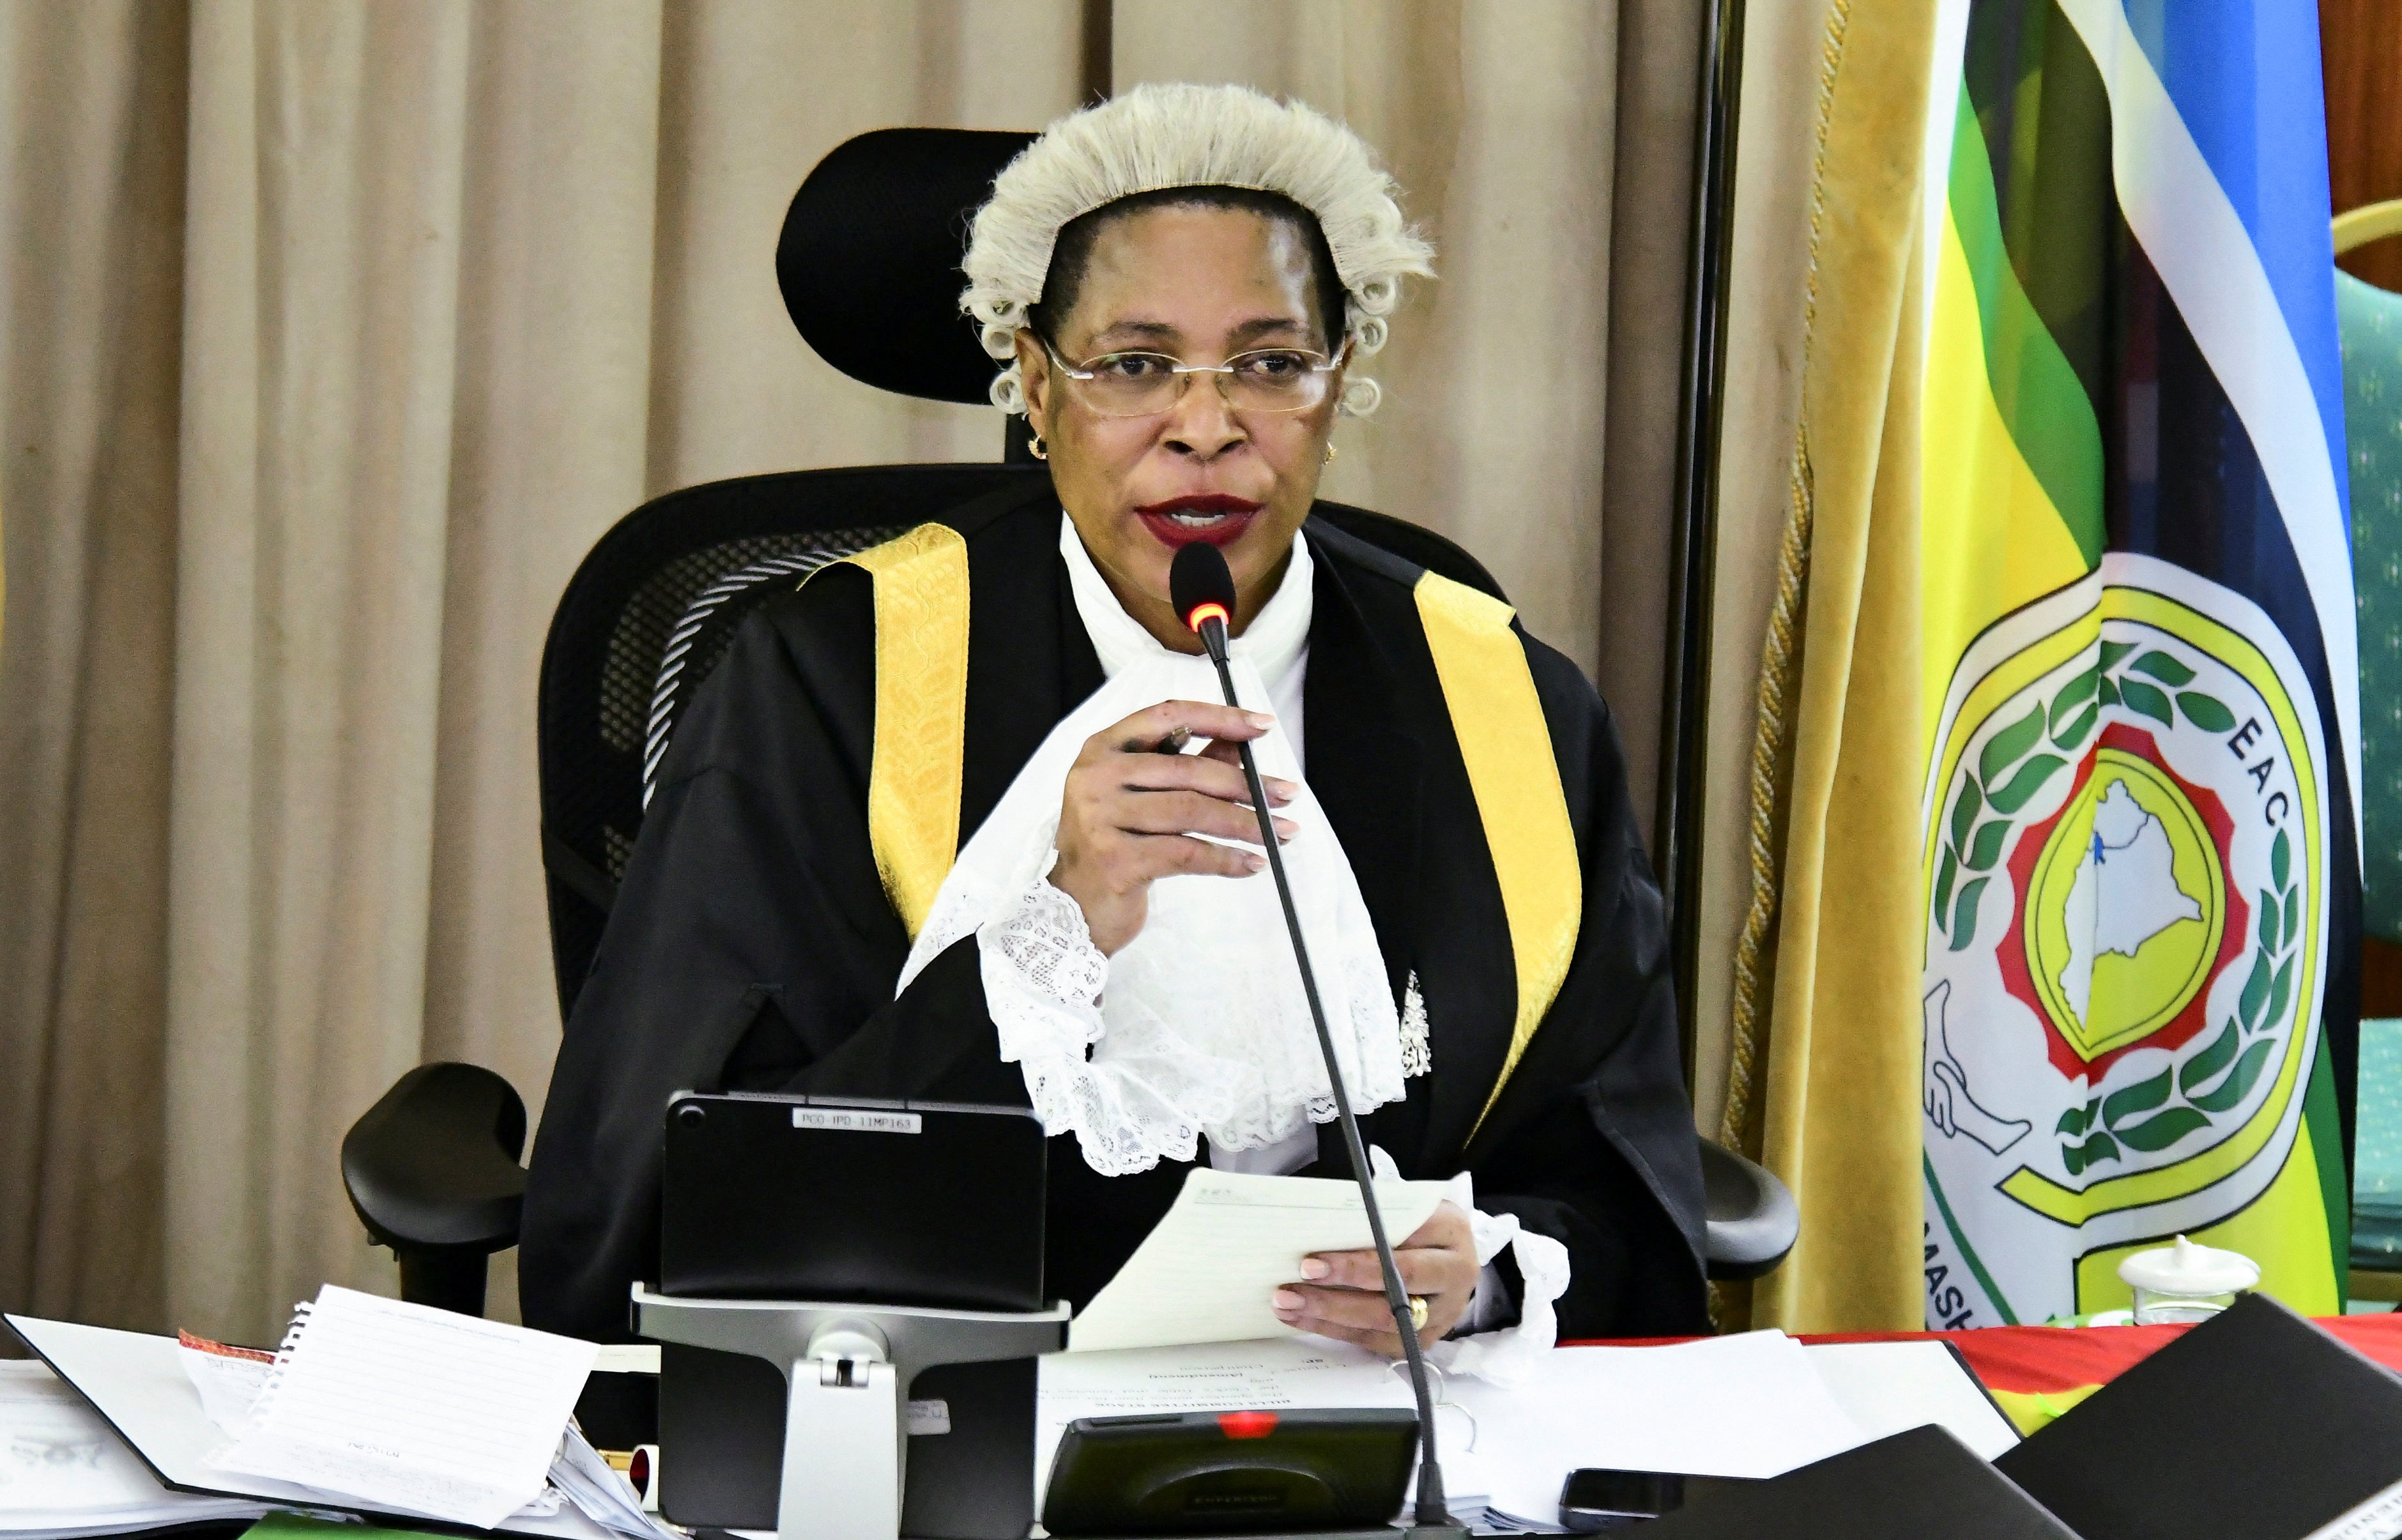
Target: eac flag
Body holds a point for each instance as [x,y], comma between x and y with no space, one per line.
[2140,846]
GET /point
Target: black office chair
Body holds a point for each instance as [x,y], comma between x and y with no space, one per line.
[868,264]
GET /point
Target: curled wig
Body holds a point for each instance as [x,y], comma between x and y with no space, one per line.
[1158,137]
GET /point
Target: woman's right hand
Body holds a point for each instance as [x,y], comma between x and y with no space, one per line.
[1129,810]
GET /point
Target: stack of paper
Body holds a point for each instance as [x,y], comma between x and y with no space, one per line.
[63,1473]
[373,1407]
[600,1493]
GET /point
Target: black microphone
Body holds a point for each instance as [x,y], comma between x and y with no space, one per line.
[1203,591]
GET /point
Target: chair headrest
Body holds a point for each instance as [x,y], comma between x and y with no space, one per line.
[869,260]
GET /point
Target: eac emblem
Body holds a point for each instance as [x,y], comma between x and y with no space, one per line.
[2124,862]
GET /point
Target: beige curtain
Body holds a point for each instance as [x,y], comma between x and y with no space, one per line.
[1824,1063]
[91,296]
[1531,389]
[338,332]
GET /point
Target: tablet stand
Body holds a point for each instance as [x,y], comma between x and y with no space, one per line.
[845,1368]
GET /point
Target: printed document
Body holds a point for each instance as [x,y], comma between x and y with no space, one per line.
[189,1409]
[62,1471]
[1205,1272]
[426,1410]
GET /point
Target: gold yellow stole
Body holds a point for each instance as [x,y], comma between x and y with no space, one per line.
[922,676]
[1498,720]
[922,701]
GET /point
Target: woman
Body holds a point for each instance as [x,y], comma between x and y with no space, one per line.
[941,825]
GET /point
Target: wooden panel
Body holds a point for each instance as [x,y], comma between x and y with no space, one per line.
[2381,979]
[2360,43]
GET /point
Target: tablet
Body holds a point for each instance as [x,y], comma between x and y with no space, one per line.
[769,1197]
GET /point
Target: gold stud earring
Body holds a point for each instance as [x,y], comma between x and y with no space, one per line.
[1330,454]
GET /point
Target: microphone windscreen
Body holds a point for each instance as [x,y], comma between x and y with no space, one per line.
[1198,578]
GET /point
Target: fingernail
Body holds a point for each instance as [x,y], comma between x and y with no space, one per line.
[1260,720]
[1257,863]
[1282,791]
[1315,1267]
[1285,829]
[1286,1299]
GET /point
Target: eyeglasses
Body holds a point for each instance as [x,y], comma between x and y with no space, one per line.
[1144,384]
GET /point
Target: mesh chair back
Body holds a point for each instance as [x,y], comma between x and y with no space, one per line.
[653,608]
[2370,321]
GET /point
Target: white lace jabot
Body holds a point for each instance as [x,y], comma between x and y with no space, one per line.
[1197,1027]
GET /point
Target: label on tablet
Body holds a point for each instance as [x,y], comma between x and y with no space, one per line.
[852,1120]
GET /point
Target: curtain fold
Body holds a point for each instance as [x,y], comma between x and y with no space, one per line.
[337,333]
[322,272]
[1650,242]
[1825,1056]
[91,103]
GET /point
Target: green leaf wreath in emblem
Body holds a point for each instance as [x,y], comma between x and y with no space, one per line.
[2015,765]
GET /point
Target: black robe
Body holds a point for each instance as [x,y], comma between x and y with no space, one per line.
[752,947]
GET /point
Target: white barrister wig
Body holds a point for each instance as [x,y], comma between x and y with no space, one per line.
[1156,137]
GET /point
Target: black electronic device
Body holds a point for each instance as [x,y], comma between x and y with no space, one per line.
[1202,588]
[1231,1473]
[858,1200]
[851,1200]
[1915,1485]
[2257,1425]
[1592,1500]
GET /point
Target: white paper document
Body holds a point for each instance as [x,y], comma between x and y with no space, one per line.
[1206,1270]
[1890,1387]
[601,1494]
[1748,1405]
[138,1390]
[421,1408]
[63,1473]
[227,1377]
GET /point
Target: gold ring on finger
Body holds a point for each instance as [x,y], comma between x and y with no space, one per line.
[1417,1311]
[1176,740]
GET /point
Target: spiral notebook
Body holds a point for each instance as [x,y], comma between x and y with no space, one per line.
[385,1410]
[423,1410]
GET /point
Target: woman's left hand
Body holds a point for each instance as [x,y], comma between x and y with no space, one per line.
[1344,1294]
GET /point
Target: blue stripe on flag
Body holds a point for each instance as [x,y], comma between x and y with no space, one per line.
[2244,77]
[2202,500]
[2195,238]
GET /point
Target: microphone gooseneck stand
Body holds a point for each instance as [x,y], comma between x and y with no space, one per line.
[1433,1515]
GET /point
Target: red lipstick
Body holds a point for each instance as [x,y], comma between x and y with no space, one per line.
[1227,517]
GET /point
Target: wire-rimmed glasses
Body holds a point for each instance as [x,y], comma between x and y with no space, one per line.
[1140,383]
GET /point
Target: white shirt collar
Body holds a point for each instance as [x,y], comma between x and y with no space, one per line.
[1275,640]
